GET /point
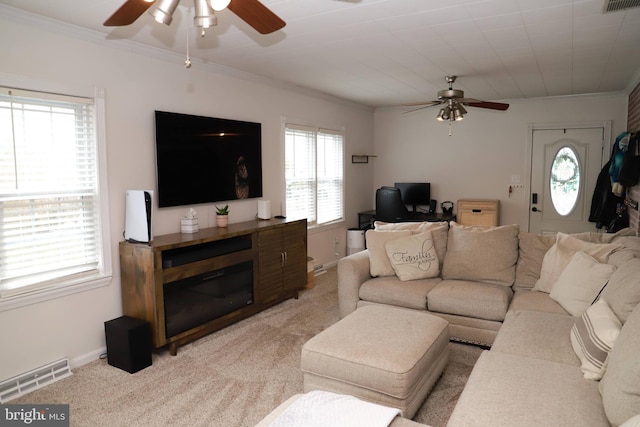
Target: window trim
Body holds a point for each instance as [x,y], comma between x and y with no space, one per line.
[105,274]
[306,124]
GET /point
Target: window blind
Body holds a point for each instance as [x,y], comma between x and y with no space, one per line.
[314,171]
[49,214]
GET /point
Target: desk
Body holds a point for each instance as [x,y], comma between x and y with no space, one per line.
[366,218]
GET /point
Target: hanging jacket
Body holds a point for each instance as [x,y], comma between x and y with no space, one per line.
[629,173]
[603,202]
[619,149]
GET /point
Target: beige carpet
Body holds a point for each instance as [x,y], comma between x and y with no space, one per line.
[233,377]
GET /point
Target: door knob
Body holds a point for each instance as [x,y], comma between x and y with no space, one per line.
[534,209]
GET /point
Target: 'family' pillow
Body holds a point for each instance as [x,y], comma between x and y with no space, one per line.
[439,232]
[580,283]
[413,257]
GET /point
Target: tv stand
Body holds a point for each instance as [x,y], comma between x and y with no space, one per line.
[189,285]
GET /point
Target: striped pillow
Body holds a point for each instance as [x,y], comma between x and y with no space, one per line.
[593,336]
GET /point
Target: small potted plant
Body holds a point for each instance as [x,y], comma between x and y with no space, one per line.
[222,218]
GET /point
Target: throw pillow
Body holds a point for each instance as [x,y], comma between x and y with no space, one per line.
[593,337]
[482,254]
[378,260]
[632,422]
[413,257]
[557,258]
[620,385]
[531,248]
[439,232]
[580,283]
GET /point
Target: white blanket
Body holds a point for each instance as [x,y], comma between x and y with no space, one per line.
[324,409]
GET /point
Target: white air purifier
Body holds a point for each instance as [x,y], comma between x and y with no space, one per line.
[137,222]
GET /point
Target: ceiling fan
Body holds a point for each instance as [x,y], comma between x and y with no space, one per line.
[454,101]
[252,12]
[457,97]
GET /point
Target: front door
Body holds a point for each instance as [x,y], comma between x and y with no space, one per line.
[565,164]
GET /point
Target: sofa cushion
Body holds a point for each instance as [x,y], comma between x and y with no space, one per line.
[413,257]
[511,390]
[592,338]
[622,293]
[620,385]
[537,334]
[486,255]
[536,301]
[439,232]
[531,248]
[559,255]
[473,299]
[390,290]
[580,283]
[379,264]
[630,249]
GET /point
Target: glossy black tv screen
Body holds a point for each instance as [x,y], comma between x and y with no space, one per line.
[206,160]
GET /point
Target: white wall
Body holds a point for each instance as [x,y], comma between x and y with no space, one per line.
[49,56]
[484,151]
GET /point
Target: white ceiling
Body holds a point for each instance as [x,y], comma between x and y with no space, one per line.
[389,52]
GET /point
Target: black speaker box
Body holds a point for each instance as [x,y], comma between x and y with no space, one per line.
[432,206]
[128,343]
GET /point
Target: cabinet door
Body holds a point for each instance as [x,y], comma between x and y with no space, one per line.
[294,244]
[271,258]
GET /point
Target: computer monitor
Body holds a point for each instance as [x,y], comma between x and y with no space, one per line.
[415,193]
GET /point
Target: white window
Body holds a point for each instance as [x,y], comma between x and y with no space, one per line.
[51,233]
[314,174]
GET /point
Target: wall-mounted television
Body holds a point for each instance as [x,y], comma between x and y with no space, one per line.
[206,160]
[415,193]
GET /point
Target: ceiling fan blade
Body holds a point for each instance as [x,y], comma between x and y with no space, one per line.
[490,105]
[128,13]
[257,15]
[424,103]
[422,107]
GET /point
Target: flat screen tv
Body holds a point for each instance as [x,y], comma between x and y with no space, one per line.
[414,193]
[206,160]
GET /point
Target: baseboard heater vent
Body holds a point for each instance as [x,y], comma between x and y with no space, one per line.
[616,5]
[33,380]
[318,270]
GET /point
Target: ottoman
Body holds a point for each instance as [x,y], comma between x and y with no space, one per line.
[386,355]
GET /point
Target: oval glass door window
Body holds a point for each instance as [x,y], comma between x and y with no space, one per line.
[565,181]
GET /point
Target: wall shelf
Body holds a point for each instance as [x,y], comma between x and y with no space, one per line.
[361,158]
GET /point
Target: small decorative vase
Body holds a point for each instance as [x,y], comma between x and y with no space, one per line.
[222,220]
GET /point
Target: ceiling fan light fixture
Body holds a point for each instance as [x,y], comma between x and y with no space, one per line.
[446,113]
[163,13]
[219,5]
[204,16]
[440,117]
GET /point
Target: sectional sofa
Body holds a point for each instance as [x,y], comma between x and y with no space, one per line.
[555,356]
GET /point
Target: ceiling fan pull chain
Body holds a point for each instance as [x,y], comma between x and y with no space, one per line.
[187,62]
